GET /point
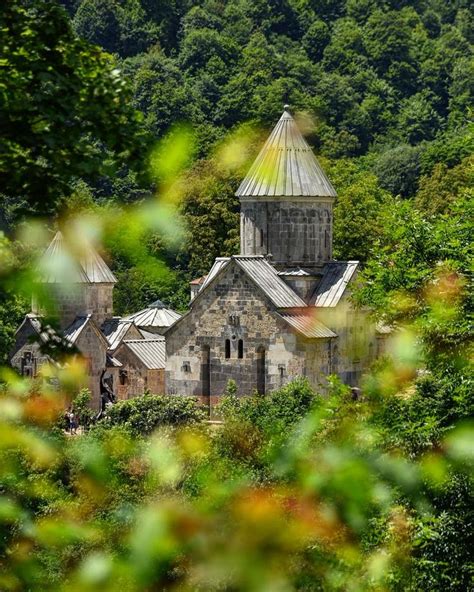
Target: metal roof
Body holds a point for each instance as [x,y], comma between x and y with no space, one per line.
[155,315]
[286,166]
[267,278]
[336,276]
[46,333]
[74,330]
[305,322]
[294,273]
[219,264]
[60,264]
[151,352]
[263,274]
[115,330]
[112,362]
[382,329]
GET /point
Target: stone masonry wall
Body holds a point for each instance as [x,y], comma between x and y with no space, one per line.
[294,232]
[139,377]
[94,350]
[233,309]
[72,300]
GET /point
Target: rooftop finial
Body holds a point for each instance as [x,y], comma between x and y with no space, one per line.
[286,108]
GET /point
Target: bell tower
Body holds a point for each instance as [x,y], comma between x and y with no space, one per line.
[287,202]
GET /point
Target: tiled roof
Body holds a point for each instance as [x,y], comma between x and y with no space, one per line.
[336,276]
[155,315]
[198,281]
[286,166]
[305,322]
[151,352]
[59,264]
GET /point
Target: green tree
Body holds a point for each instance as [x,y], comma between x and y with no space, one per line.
[62,104]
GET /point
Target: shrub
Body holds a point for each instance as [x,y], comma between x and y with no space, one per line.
[144,414]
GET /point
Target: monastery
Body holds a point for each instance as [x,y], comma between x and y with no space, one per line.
[278,310]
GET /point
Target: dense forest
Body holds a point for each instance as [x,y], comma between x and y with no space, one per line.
[382,90]
[115,117]
[384,87]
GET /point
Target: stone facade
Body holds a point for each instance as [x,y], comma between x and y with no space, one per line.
[69,301]
[203,348]
[282,308]
[28,357]
[295,233]
[136,377]
[84,308]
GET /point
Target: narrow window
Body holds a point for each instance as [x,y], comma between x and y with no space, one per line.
[261,237]
[241,349]
[206,370]
[227,348]
[261,370]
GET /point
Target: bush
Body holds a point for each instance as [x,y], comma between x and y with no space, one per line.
[142,415]
[257,427]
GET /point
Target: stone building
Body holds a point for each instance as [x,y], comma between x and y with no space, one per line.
[121,359]
[281,308]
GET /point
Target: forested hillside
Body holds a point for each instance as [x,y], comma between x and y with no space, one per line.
[295,491]
[384,87]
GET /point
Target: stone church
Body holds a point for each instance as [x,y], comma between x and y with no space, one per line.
[282,308]
[123,356]
[279,310]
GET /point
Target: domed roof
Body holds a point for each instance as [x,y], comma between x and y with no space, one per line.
[155,315]
[78,263]
[286,166]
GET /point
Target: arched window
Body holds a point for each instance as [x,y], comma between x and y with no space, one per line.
[240,350]
[227,348]
[261,370]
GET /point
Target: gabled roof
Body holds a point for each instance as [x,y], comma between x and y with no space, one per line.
[46,333]
[115,330]
[336,276]
[59,264]
[75,329]
[306,323]
[151,352]
[155,315]
[286,166]
[263,274]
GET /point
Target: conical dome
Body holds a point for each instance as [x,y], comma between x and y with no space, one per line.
[155,316]
[286,166]
[58,264]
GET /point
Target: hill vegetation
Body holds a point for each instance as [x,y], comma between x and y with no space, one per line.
[296,491]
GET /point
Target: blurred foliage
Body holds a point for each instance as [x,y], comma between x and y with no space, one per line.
[294,491]
[65,109]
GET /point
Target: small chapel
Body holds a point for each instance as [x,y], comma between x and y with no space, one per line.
[281,308]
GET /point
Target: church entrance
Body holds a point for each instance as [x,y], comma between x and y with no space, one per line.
[261,370]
